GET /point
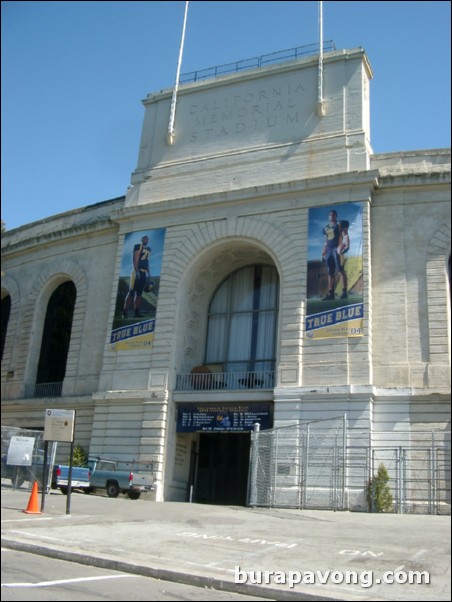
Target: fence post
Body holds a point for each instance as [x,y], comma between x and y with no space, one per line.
[300,444]
[254,463]
[344,461]
[333,503]
[275,457]
[399,478]
[403,485]
[372,482]
[433,477]
[306,472]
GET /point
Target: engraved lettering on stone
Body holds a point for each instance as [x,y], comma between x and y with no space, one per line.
[275,107]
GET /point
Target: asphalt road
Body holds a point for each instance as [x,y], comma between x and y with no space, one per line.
[33,577]
[202,545]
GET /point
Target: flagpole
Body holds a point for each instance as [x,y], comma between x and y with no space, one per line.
[320,102]
[171,134]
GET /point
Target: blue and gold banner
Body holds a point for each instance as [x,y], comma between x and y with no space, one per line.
[138,288]
[335,272]
[344,322]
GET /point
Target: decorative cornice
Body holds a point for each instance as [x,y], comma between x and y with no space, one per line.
[59,234]
[367,180]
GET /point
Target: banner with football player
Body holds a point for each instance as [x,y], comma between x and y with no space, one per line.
[335,272]
[138,287]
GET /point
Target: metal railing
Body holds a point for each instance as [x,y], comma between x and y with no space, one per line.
[39,390]
[280,56]
[230,381]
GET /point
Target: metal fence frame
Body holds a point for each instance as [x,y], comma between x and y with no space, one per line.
[326,465]
[419,467]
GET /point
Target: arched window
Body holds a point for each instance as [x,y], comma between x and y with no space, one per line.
[242,321]
[6,310]
[55,341]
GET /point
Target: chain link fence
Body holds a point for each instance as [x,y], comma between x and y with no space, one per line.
[22,457]
[326,465]
[419,467]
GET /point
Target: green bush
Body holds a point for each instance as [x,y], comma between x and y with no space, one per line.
[80,456]
[379,497]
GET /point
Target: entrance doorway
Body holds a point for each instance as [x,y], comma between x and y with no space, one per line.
[222,468]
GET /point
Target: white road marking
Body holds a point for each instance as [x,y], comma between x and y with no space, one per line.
[21,520]
[66,581]
[418,555]
[36,535]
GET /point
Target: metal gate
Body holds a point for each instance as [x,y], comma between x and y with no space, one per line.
[324,465]
[299,466]
[419,468]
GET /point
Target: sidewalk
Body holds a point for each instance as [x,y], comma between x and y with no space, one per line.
[201,545]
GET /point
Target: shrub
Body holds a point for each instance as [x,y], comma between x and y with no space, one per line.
[80,456]
[379,497]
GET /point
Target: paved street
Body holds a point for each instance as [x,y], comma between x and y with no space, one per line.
[249,550]
[39,578]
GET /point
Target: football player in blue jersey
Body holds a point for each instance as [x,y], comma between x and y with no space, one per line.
[138,278]
[333,240]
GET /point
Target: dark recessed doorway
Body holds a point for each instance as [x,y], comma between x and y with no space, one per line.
[222,468]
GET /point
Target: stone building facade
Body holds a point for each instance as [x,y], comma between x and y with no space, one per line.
[233,204]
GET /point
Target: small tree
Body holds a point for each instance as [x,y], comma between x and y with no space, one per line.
[80,456]
[379,497]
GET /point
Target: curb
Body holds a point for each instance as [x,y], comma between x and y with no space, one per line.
[162,574]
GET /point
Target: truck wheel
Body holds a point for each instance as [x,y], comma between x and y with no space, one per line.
[112,489]
[63,490]
[134,495]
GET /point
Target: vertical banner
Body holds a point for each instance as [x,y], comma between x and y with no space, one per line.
[138,288]
[335,272]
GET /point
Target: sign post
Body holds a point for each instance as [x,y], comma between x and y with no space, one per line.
[59,426]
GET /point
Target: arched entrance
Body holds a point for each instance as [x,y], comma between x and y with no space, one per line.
[232,386]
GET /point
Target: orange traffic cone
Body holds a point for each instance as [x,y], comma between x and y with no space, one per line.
[33,506]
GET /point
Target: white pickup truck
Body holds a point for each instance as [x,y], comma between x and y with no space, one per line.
[118,476]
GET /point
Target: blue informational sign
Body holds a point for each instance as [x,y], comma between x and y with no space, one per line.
[213,418]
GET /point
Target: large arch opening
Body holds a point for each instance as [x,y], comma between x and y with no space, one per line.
[55,340]
[6,311]
[230,319]
[203,280]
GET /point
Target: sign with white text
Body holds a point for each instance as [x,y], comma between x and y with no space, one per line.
[20,451]
[59,425]
[214,418]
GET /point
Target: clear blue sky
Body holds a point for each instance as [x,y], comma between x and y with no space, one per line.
[74,75]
